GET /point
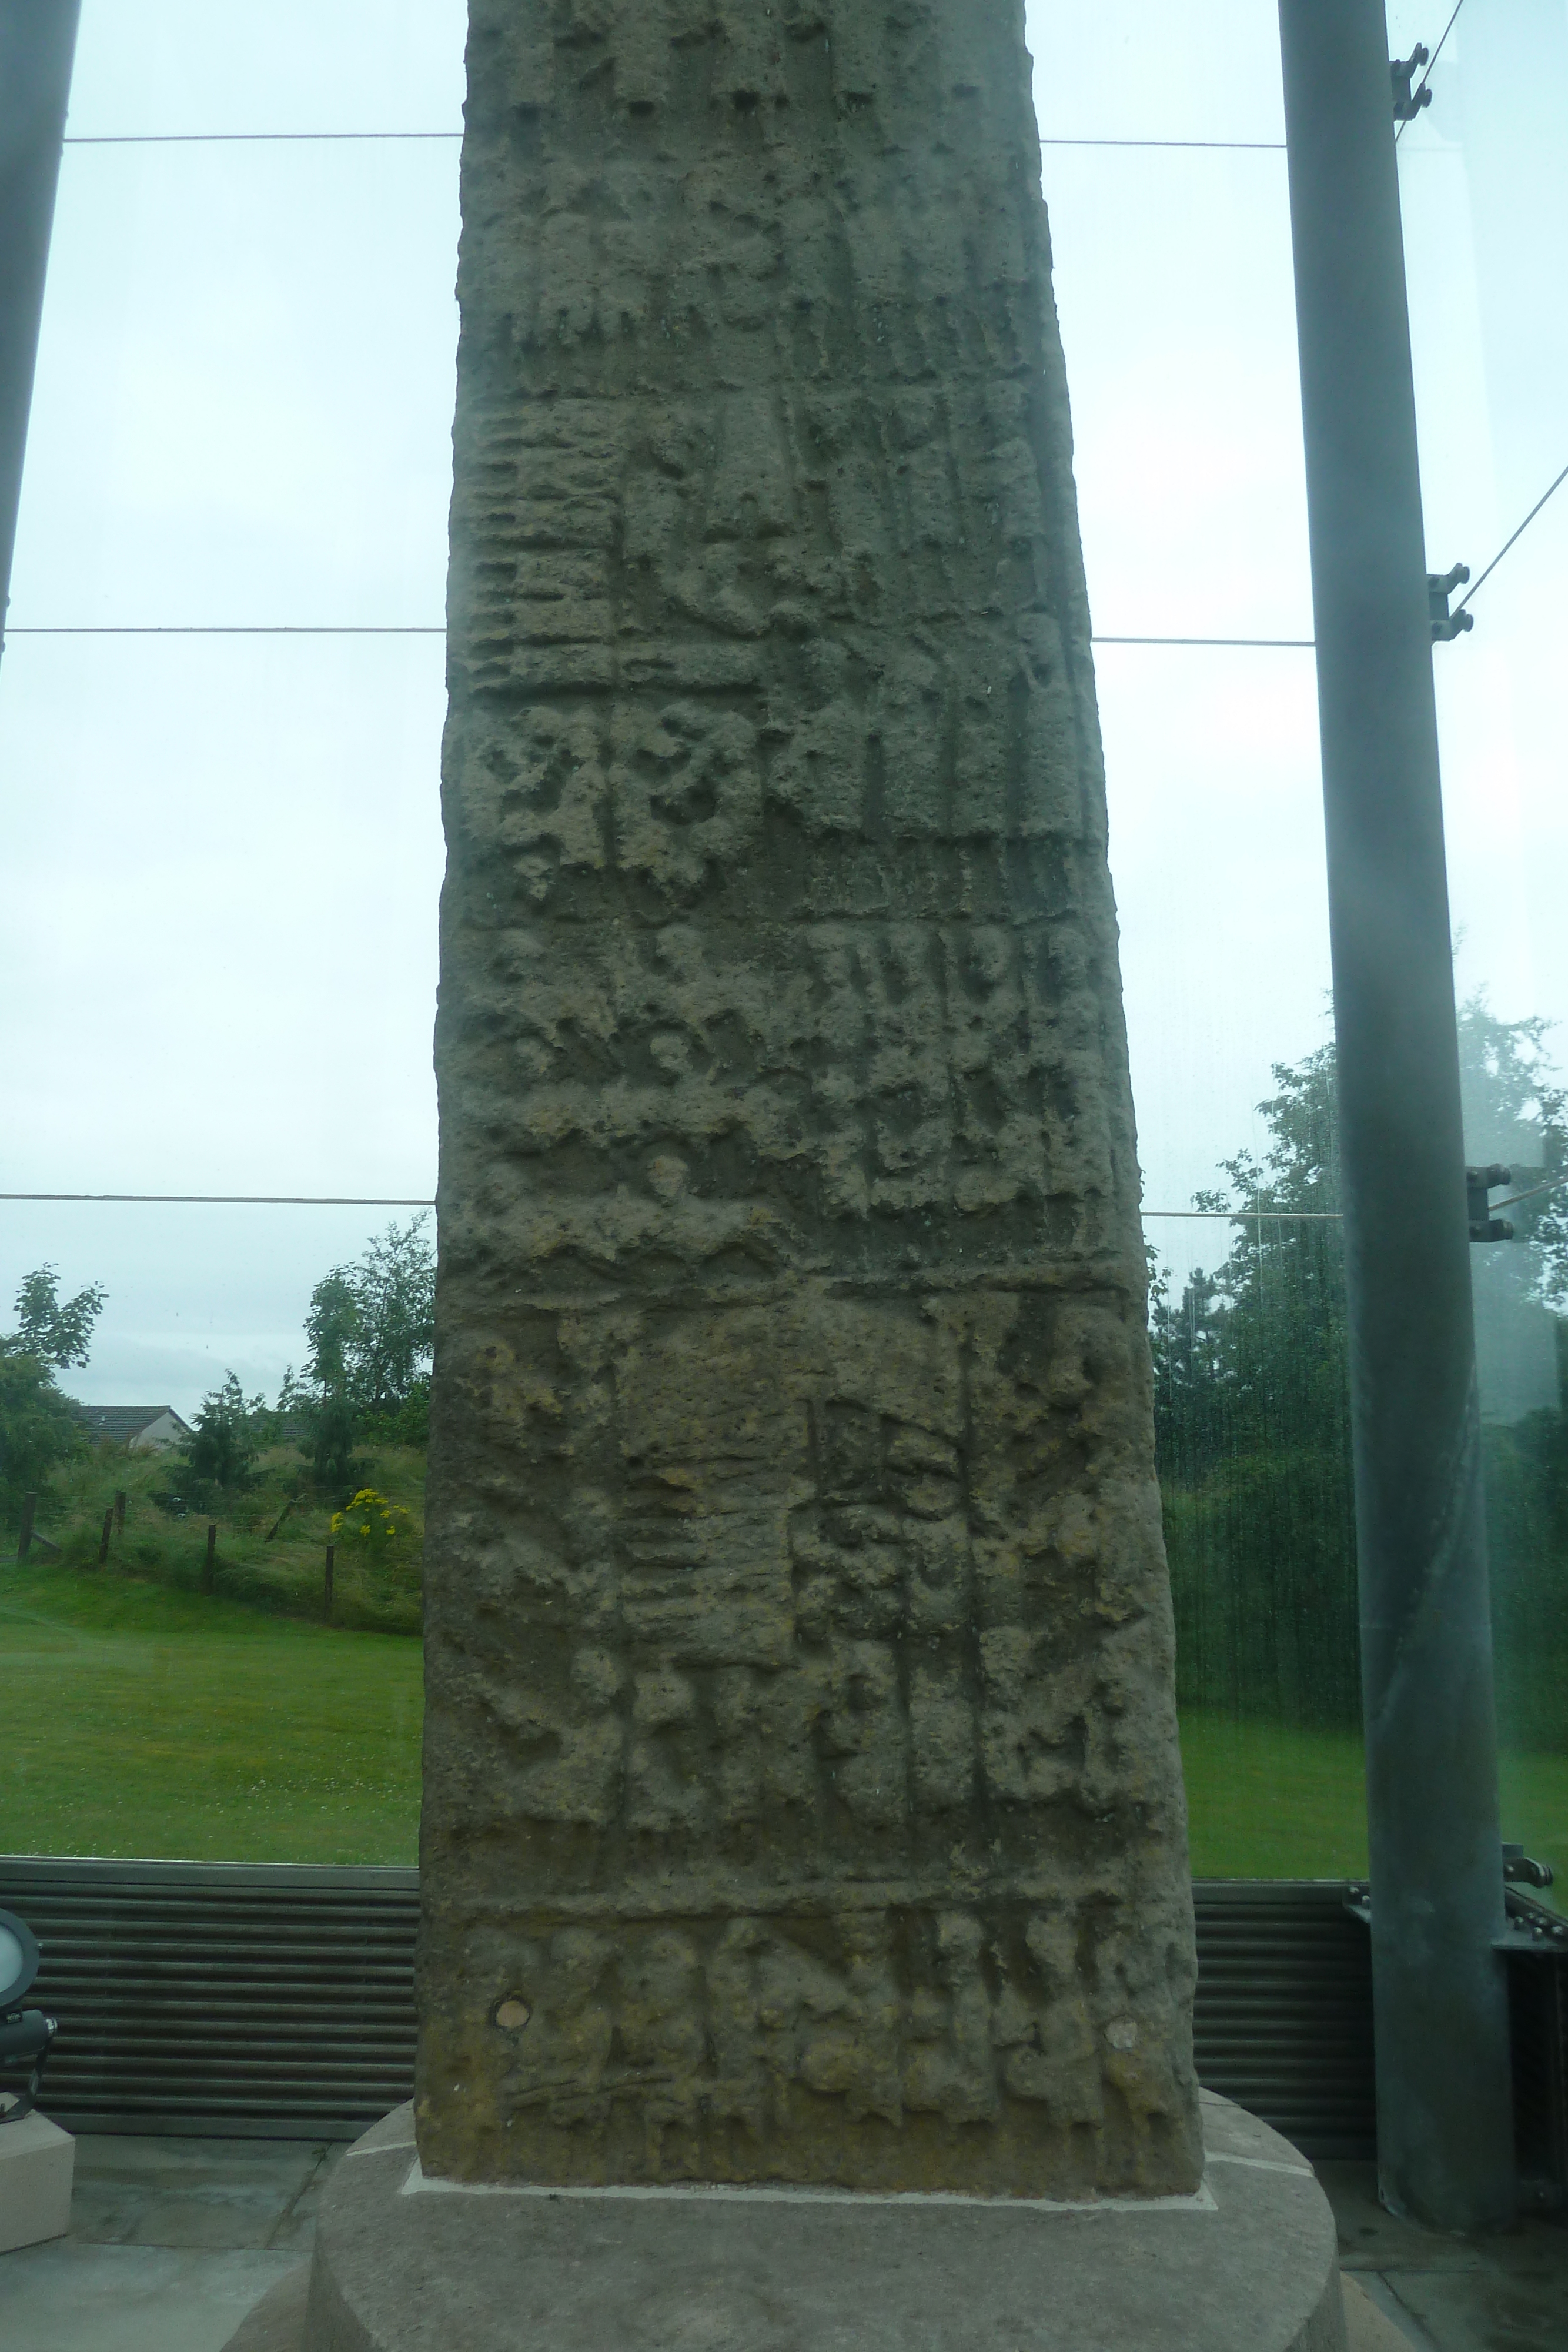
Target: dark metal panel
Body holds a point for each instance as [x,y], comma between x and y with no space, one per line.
[224,1998]
[1282,2022]
[1538,2015]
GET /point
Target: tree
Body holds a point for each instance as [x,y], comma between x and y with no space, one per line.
[38,1427]
[333,1427]
[222,1450]
[56,1332]
[370,1332]
[371,1325]
[1252,1430]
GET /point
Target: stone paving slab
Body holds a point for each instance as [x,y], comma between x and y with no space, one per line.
[228,2193]
[1524,2308]
[1368,2326]
[70,2297]
[278,2323]
[1504,2293]
[147,2267]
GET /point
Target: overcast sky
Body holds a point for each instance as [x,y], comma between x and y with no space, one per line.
[217,955]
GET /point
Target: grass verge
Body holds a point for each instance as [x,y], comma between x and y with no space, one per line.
[144,1721]
[1265,1801]
[282,1573]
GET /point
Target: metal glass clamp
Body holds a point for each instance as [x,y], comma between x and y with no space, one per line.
[1479,1183]
[1406,107]
[1440,586]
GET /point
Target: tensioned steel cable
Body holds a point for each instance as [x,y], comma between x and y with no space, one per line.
[234,1200]
[233,138]
[384,1201]
[436,629]
[227,629]
[1518,535]
[359,1201]
[1225,146]
[1297,643]
[263,138]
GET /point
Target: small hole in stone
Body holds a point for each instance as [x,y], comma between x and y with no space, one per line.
[745,101]
[513,2013]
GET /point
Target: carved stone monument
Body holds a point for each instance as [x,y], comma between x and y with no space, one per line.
[802,1800]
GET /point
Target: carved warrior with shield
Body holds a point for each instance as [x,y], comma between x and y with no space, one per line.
[802,1798]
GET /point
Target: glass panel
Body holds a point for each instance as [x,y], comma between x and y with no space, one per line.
[1143,71]
[1484,185]
[183,65]
[217,969]
[218,972]
[1174,288]
[219,964]
[179,1681]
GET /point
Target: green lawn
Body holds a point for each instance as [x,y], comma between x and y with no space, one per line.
[1268,1802]
[142,1720]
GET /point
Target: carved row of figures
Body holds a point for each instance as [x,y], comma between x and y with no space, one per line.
[889,2014]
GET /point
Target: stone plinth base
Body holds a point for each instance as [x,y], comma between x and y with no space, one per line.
[402,2265]
[38,2163]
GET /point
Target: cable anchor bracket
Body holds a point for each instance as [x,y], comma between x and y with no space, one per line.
[1440,586]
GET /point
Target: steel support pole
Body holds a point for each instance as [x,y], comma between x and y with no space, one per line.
[37,44]
[1444,2108]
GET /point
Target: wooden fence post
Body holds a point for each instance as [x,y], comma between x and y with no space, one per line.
[103,1540]
[119,1509]
[331,1551]
[25,1533]
[210,1570]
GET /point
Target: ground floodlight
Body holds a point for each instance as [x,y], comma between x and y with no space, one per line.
[18,1959]
[24,2034]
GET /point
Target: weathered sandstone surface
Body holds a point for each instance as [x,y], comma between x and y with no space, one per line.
[802,1798]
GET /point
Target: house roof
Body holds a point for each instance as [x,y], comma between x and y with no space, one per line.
[124,1422]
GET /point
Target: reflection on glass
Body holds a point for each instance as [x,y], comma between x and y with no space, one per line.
[1252,1425]
[1516,1116]
[1484,192]
[225,870]
[1252,1419]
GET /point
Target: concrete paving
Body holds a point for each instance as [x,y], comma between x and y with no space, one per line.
[173,2241]
[1502,2293]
